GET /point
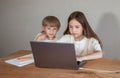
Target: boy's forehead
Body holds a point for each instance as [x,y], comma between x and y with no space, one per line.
[48,26]
[52,26]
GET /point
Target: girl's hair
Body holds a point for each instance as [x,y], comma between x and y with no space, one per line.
[51,21]
[87,30]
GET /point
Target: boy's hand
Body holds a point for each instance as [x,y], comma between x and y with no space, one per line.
[41,37]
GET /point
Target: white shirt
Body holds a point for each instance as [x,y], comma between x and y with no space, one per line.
[84,46]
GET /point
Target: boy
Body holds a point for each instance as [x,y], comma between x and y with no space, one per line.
[50,27]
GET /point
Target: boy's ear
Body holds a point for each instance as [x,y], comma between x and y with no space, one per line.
[43,28]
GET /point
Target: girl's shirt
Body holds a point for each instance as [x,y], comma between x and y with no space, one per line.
[84,46]
[45,40]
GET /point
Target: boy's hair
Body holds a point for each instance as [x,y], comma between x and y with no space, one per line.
[87,30]
[51,21]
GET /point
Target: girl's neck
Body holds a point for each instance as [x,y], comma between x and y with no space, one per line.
[80,38]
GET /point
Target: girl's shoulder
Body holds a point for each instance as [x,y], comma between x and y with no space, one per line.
[93,40]
[66,38]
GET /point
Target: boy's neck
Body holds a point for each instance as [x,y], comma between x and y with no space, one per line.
[51,38]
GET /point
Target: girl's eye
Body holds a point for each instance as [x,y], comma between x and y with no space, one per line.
[77,27]
[70,27]
[74,27]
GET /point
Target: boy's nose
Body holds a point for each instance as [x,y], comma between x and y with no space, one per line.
[51,31]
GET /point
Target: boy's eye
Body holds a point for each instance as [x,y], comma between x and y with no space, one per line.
[48,28]
[54,28]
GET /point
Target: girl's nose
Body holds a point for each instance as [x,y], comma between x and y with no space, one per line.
[73,29]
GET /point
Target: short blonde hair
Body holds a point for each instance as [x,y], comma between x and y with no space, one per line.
[51,21]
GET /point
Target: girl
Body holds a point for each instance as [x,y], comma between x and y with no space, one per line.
[87,44]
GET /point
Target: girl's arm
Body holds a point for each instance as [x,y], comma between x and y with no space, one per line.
[95,55]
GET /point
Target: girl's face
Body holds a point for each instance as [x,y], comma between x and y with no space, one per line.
[76,29]
[50,31]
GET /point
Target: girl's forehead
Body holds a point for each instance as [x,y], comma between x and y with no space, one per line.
[74,22]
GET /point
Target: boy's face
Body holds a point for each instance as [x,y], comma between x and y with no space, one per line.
[50,31]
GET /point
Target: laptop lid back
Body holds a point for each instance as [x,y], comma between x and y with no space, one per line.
[54,55]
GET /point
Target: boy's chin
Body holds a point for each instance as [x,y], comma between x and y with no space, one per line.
[51,38]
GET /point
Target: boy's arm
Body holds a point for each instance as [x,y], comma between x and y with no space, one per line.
[40,37]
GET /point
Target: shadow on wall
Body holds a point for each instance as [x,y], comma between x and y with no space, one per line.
[108,30]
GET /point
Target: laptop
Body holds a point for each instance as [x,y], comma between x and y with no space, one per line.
[55,55]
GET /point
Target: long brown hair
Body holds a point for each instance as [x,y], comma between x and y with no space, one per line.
[87,30]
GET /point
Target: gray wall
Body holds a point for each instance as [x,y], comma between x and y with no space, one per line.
[20,21]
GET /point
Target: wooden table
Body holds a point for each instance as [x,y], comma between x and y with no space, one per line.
[30,71]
